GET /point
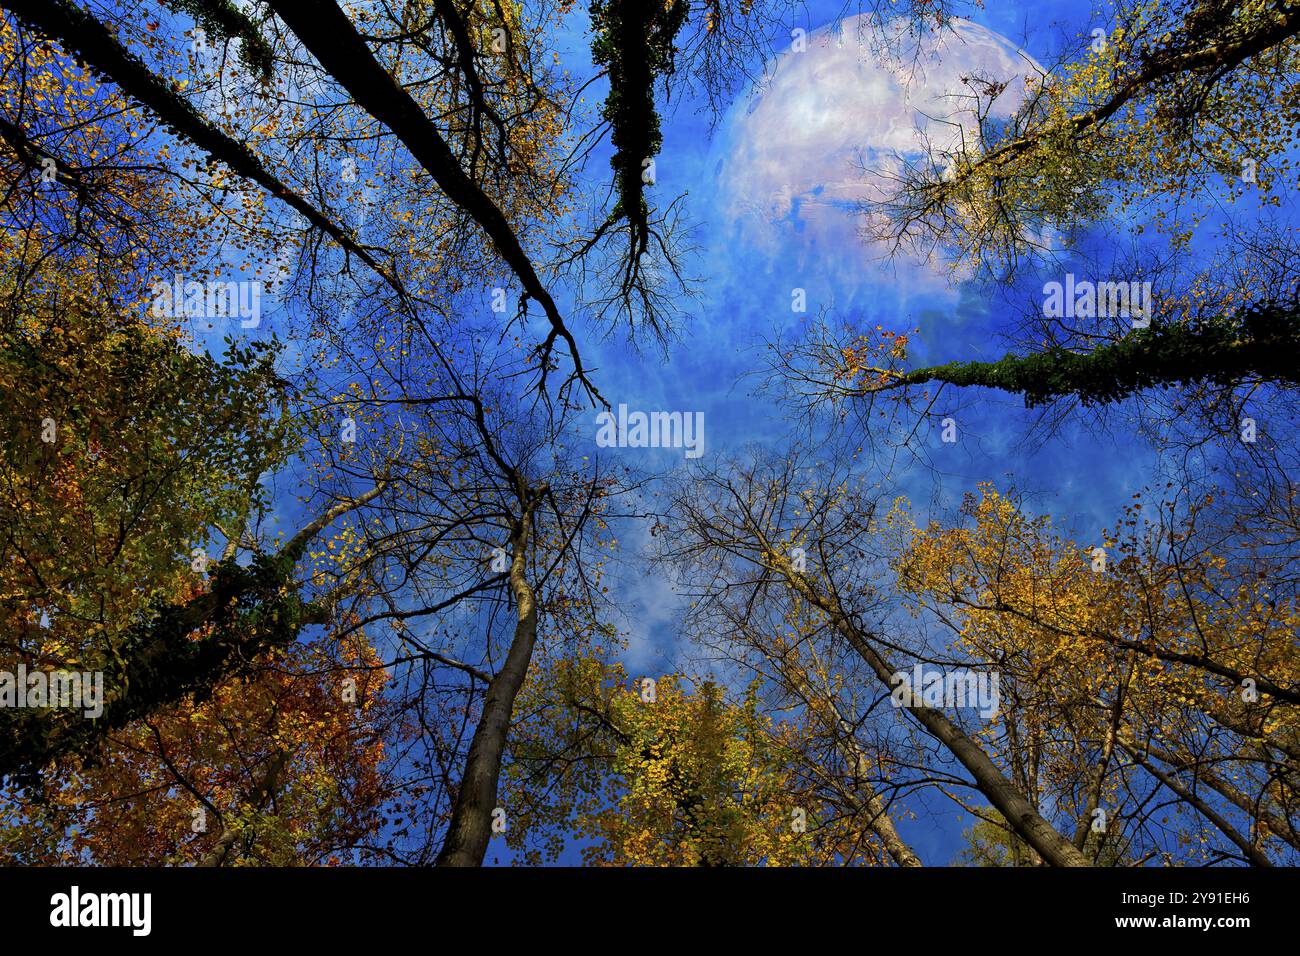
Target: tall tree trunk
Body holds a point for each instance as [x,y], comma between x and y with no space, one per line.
[80,33]
[1019,812]
[1279,827]
[333,39]
[471,821]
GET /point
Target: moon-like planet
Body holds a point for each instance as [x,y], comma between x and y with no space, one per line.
[840,107]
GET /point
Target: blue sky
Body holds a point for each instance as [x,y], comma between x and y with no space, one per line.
[750,264]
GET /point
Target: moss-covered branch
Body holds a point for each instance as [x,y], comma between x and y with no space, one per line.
[178,651]
[634,42]
[1264,343]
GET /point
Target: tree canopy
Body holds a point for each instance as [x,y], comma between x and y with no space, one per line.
[306,312]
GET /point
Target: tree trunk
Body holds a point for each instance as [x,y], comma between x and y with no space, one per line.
[1019,812]
[471,821]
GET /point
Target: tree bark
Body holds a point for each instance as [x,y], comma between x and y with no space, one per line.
[470,828]
[1054,848]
